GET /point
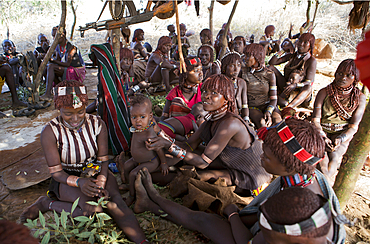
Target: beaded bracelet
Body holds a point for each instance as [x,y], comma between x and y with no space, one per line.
[270,109]
[177,151]
[135,88]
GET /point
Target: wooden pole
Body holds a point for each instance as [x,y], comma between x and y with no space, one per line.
[50,51]
[116,37]
[210,10]
[179,44]
[350,169]
[74,19]
[224,37]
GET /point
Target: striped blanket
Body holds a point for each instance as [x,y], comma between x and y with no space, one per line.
[113,101]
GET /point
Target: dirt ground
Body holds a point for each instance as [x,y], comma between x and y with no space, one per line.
[13,202]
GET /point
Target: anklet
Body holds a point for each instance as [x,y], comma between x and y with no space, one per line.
[50,204]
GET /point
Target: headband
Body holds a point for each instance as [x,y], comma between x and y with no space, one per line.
[229,53]
[290,142]
[317,220]
[74,91]
[192,61]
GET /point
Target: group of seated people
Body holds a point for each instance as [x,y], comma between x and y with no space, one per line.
[232,119]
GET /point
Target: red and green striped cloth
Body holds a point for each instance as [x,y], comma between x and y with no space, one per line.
[115,112]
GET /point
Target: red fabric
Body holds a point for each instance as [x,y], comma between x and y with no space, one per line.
[186,122]
[167,130]
[176,92]
[363,60]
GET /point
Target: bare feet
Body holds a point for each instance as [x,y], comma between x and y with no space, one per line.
[124,187]
[142,198]
[148,184]
[129,200]
[32,212]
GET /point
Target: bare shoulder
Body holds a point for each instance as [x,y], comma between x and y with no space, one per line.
[231,124]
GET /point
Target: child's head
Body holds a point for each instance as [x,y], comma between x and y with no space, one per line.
[194,72]
[8,46]
[295,77]
[182,30]
[171,28]
[43,41]
[231,64]
[205,53]
[127,59]
[140,111]
[254,53]
[295,215]
[346,74]
[138,35]
[198,112]
[270,30]
[238,44]
[279,160]
[287,45]
[206,36]
[219,83]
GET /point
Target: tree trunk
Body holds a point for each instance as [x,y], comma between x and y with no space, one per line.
[353,160]
[210,10]
[50,51]
[224,37]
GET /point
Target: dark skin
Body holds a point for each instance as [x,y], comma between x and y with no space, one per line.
[232,71]
[207,64]
[159,68]
[294,78]
[141,116]
[194,77]
[257,117]
[56,67]
[336,147]
[88,189]
[238,46]
[140,48]
[212,226]
[43,42]
[276,42]
[231,132]
[309,70]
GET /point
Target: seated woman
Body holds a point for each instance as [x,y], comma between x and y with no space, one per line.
[141,55]
[232,151]
[181,99]
[73,140]
[295,169]
[294,207]
[159,68]
[261,87]
[205,53]
[301,60]
[338,111]
[185,44]
[205,36]
[68,64]
[231,64]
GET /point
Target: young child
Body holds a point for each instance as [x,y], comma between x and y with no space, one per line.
[231,64]
[142,129]
[181,127]
[10,52]
[171,29]
[338,111]
[127,73]
[296,77]
[185,45]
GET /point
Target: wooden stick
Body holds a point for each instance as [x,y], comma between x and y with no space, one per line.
[179,44]
[210,9]
[74,19]
[224,37]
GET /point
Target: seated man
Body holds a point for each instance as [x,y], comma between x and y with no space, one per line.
[68,65]
[238,45]
[11,53]
[42,49]
[185,44]
[181,127]
[205,54]
[271,45]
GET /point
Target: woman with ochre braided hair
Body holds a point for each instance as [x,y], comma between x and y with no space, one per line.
[338,110]
[75,141]
[232,152]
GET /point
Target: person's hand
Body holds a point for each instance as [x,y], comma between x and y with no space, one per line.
[291,27]
[289,88]
[229,209]
[104,193]
[268,119]
[3,59]
[337,142]
[328,145]
[156,143]
[164,168]
[89,187]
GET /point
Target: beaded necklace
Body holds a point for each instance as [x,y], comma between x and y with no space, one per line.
[297,180]
[134,130]
[217,114]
